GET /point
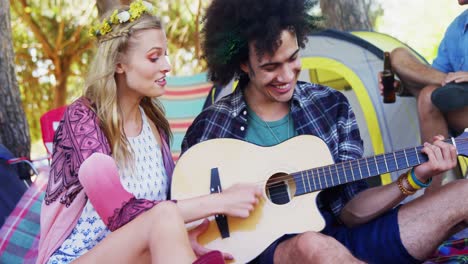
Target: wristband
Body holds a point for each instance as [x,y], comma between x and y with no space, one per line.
[411,182]
[418,182]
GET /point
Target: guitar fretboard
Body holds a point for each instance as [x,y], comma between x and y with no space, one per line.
[332,175]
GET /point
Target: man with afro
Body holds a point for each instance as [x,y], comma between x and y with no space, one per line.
[257,42]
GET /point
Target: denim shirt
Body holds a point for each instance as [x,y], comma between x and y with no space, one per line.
[316,110]
[453,50]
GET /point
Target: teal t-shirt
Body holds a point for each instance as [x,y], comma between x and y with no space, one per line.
[267,134]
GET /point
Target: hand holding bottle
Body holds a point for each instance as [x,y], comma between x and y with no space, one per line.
[387,80]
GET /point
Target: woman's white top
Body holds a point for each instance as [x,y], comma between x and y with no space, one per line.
[149,181]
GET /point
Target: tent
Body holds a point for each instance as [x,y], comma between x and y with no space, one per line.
[348,62]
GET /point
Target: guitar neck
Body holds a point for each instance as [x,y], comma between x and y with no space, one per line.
[336,174]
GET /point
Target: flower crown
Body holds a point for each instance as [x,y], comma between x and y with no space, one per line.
[137,8]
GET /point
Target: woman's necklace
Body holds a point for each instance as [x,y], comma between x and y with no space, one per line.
[273,133]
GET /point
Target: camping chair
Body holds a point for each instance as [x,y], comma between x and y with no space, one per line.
[49,123]
[12,187]
[20,203]
[19,235]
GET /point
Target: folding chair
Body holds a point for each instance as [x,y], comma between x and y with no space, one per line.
[20,232]
[11,185]
[49,123]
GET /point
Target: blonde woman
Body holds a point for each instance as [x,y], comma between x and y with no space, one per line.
[100,211]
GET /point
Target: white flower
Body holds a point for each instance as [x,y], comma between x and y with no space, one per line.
[123,16]
[148,5]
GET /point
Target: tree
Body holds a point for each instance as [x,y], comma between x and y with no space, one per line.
[183,25]
[52,49]
[61,37]
[105,5]
[14,130]
[347,14]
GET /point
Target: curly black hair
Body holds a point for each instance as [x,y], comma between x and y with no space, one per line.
[229,25]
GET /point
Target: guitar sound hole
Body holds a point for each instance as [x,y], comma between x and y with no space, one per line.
[278,188]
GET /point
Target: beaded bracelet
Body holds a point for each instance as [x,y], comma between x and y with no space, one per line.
[418,182]
[402,187]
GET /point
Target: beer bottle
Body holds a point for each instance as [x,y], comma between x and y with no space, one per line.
[387,80]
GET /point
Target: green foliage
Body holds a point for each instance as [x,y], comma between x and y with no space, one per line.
[51,49]
[182,19]
[35,88]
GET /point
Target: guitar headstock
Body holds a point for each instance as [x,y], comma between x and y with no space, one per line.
[462,143]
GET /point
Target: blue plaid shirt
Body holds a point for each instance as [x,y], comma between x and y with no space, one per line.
[316,110]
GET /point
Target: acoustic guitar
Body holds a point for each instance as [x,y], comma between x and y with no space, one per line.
[292,174]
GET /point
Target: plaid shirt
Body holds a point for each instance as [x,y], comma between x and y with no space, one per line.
[316,110]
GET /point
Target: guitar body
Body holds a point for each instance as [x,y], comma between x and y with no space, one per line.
[242,162]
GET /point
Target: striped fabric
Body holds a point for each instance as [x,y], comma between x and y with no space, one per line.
[183,101]
[19,236]
[453,250]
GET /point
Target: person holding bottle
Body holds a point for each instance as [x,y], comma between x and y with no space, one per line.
[388,79]
[441,90]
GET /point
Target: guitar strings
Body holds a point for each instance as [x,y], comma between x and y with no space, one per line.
[354,164]
[334,170]
[288,179]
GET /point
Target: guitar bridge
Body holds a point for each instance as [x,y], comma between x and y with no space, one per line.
[221,220]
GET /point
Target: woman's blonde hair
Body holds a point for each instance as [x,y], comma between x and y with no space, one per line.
[101,87]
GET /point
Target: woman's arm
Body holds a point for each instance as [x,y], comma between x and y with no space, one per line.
[116,206]
[101,182]
[237,201]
